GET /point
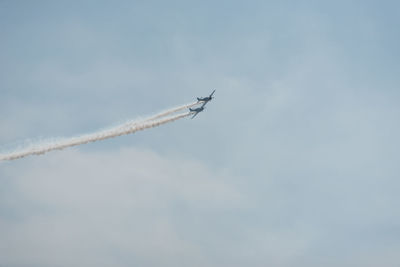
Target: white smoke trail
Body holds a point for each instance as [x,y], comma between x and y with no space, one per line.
[171,111]
[126,128]
[161,114]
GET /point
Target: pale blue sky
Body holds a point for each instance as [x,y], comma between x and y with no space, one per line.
[294,163]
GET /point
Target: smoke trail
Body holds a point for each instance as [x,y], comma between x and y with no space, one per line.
[126,128]
[161,114]
[171,111]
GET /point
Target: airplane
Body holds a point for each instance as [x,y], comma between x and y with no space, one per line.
[207,98]
[197,110]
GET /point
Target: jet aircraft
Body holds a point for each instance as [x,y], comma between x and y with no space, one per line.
[207,98]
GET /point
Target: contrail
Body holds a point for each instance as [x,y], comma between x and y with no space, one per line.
[123,129]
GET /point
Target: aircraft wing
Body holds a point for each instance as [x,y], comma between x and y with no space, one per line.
[212,93]
[195,115]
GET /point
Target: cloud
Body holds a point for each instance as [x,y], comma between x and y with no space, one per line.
[127,207]
[309,110]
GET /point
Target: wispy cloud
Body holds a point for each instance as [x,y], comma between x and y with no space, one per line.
[69,209]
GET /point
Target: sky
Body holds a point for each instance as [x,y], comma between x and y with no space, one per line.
[294,163]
